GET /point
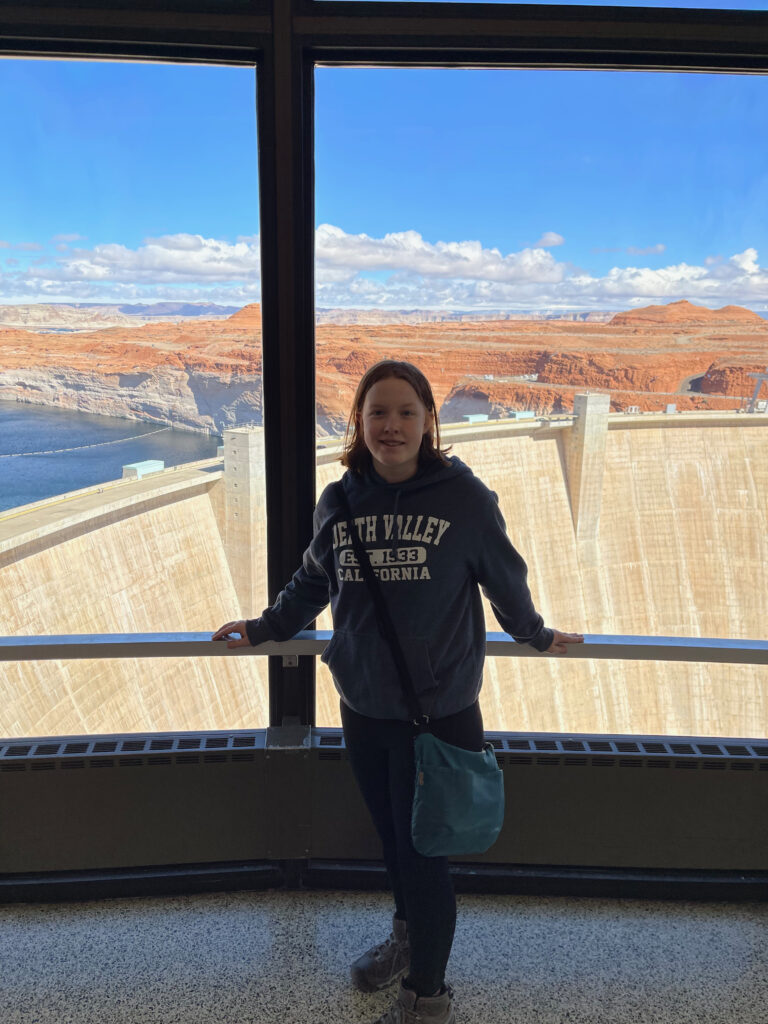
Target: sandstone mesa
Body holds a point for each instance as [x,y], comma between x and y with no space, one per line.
[206,374]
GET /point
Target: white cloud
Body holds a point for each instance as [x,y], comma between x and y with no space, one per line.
[746,261]
[68,238]
[174,267]
[407,251]
[549,238]
[488,279]
[178,259]
[398,270]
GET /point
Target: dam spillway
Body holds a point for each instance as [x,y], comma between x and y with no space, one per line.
[644,525]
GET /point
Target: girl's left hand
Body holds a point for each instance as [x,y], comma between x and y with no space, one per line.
[560,642]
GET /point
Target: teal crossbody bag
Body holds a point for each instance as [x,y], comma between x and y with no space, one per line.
[458,800]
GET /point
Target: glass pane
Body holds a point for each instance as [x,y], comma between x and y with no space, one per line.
[576,267]
[129,345]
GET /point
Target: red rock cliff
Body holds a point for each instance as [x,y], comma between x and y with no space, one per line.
[207,374]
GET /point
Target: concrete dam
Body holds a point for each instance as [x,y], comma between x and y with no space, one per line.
[649,524]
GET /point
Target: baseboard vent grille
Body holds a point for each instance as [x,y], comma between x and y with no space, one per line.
[511,749]
[640,752]
[100,750]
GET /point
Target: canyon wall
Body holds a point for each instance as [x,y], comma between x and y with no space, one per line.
[200,375]
[206,375]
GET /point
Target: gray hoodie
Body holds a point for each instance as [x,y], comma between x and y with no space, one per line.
[433,541]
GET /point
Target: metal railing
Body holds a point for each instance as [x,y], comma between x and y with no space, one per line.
[634,806]
[314,642]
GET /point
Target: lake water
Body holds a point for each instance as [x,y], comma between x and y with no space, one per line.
[87,450]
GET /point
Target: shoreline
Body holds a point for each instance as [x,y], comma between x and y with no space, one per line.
[164,423]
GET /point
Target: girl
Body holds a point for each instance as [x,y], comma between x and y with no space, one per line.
[435,536]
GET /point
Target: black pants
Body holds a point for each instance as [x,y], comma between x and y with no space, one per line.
[381,753]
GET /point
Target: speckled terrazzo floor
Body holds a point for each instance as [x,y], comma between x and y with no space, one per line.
[283,956]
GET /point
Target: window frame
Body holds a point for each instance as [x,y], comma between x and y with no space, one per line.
[285,40]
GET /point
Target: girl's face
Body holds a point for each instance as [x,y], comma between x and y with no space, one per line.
[393,421]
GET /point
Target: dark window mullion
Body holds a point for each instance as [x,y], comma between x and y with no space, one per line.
[286,181]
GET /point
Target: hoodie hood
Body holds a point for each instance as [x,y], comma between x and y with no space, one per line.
[361,485]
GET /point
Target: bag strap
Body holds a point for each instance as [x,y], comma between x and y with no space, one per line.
[384,619]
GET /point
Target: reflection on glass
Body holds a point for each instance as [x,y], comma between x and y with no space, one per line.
[131,458]
[577,269]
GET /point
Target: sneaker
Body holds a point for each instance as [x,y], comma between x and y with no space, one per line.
[413,1009]
[383,964]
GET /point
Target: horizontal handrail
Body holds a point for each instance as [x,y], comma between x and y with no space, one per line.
[314,642]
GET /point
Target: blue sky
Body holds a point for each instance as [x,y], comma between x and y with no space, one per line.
[439,189]
[120,151]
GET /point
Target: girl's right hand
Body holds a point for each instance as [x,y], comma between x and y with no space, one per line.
[225,633]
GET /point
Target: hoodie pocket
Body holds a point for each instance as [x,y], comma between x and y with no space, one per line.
[365,671]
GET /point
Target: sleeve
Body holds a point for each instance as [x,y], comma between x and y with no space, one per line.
[503,577]
[297,603]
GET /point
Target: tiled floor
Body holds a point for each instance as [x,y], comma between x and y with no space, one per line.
[283,956]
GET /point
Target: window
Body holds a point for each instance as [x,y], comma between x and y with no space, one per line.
[545,243]
[129,345]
